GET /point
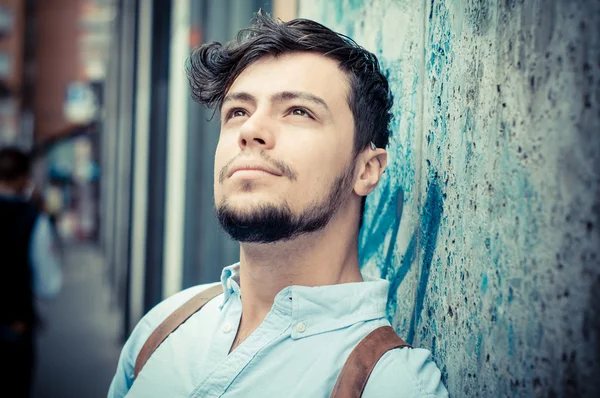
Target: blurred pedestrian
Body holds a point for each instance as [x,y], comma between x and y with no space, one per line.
[53,207]
[30,268]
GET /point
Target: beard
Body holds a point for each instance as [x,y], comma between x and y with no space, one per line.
[269,223]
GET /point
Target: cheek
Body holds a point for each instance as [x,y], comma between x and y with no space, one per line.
[322,162]
[316,167]
[224,152]
[219,162]
[222,156]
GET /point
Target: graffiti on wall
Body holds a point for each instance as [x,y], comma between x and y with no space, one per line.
[485,221]
[423,241]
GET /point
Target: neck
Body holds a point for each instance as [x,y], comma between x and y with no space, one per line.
[326,257]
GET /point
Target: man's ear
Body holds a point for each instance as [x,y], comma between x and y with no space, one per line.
[372,164]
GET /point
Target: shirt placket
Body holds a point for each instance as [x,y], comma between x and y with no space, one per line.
[229,366]
[225,332]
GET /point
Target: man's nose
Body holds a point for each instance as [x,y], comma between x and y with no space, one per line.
[256,132]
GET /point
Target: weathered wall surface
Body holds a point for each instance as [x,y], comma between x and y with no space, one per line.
[487,223]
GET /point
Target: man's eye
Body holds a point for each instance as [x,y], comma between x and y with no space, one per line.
[238,113]
[299,112]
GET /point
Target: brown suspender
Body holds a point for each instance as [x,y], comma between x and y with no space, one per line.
[172,322]
[362,360]
[351,381]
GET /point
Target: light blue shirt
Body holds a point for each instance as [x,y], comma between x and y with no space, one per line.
[298,350]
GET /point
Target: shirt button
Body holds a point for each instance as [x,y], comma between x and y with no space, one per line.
[301,327]
[227,327]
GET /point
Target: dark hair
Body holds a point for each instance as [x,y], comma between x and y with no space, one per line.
[212,69]
[14,164]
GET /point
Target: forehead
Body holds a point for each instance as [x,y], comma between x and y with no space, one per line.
[301,71]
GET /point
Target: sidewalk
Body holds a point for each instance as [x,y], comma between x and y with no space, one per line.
[78,348]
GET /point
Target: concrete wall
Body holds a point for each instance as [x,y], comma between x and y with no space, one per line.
[487,221]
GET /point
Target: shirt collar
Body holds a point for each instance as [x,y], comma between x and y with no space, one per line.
[322,309]
[230,279]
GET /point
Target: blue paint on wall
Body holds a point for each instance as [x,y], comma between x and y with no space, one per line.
[431,217]
[503,148]
[426,233]
[484,284]
[386,219]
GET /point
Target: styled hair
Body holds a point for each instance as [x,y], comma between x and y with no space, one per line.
[14,164]
[212,68]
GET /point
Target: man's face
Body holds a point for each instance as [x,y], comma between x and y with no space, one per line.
[284,163]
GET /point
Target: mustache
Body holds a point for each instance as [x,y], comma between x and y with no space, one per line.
[281,167]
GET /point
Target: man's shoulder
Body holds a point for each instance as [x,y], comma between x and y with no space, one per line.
[159,313]
[124,377]
[162,310]
[411,370]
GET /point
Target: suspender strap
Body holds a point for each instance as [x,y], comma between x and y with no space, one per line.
[351,381]
[362,360]
[172,322]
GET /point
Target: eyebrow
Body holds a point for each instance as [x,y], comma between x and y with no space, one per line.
[292,95]
[281,96]
[243,97]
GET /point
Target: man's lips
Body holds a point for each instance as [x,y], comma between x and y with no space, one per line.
[253,167]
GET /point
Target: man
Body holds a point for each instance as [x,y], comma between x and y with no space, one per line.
[304,123]
[30,268]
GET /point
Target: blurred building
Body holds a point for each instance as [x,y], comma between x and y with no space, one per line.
[158,226]
[14,98]
[96,90]
[52,69]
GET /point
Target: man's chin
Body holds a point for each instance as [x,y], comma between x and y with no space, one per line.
[243,213]
[256,223]
[247,204]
